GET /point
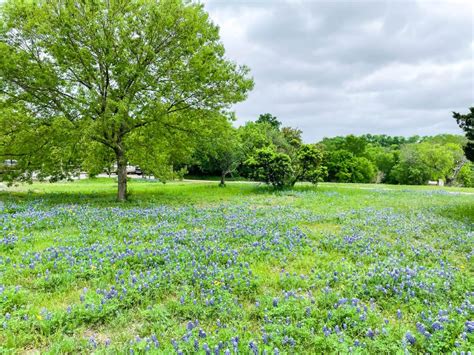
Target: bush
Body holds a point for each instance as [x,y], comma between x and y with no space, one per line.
[278,169]
[466,175]
[271,167]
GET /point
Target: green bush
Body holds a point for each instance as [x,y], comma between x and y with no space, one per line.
[280,170]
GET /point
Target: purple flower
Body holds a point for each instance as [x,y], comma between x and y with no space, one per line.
[436,326]
[410,338]
[469,326]
[253,347]
[326,331]
[370,333]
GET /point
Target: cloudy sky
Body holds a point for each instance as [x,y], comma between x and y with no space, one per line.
[330,68]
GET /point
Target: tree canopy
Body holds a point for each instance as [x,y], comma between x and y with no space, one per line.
[98,81]
[268,118]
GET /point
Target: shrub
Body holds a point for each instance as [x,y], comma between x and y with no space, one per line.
[280,170]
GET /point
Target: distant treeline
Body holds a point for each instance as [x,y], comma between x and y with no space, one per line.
[266,151]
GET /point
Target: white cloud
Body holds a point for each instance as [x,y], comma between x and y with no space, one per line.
[339,67]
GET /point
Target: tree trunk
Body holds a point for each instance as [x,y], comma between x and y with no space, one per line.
[223,174]
[450,180]
[121,175]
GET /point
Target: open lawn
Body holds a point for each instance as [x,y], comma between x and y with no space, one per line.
[187,267]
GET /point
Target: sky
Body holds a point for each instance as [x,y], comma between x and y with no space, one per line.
[329,68]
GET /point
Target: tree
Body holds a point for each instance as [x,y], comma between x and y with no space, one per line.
[228,156]
[355,145]
[385,160]
[115,73]
[307,164]
[221,153]
[271,167]
[343,166]
[338,165]
[292,136]
[421,162]
[466,122]
[269,119]
[280,170]
[256,136]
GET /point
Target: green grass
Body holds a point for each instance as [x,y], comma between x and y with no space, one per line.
[81,272]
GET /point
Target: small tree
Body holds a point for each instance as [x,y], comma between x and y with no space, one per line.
[221,152]
[228,157]
[280,170]
[271,167]
[307,164]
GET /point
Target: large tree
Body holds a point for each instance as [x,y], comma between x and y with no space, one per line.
[117,74]
[466,122]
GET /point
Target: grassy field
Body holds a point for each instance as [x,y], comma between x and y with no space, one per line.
[192,267]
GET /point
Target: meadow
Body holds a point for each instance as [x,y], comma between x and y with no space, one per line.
[194,268]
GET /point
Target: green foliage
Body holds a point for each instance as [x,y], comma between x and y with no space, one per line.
[422,162]
[292,136]
[444,139]
[384,159]
[385,141]
[40,149]
[466,175]
[280,170]
[260,135]
[271,167]
[355,145]
[221,152]
[307,164]
[395,160]
[343,166]
[268,118]
[347,159]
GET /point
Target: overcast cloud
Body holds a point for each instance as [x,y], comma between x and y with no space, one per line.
[331,68]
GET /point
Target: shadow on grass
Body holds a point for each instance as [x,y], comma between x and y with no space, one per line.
[462,212]
[100,192]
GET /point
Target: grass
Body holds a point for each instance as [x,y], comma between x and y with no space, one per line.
[192,267]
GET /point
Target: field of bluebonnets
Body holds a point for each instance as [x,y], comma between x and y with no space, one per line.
[186,268]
